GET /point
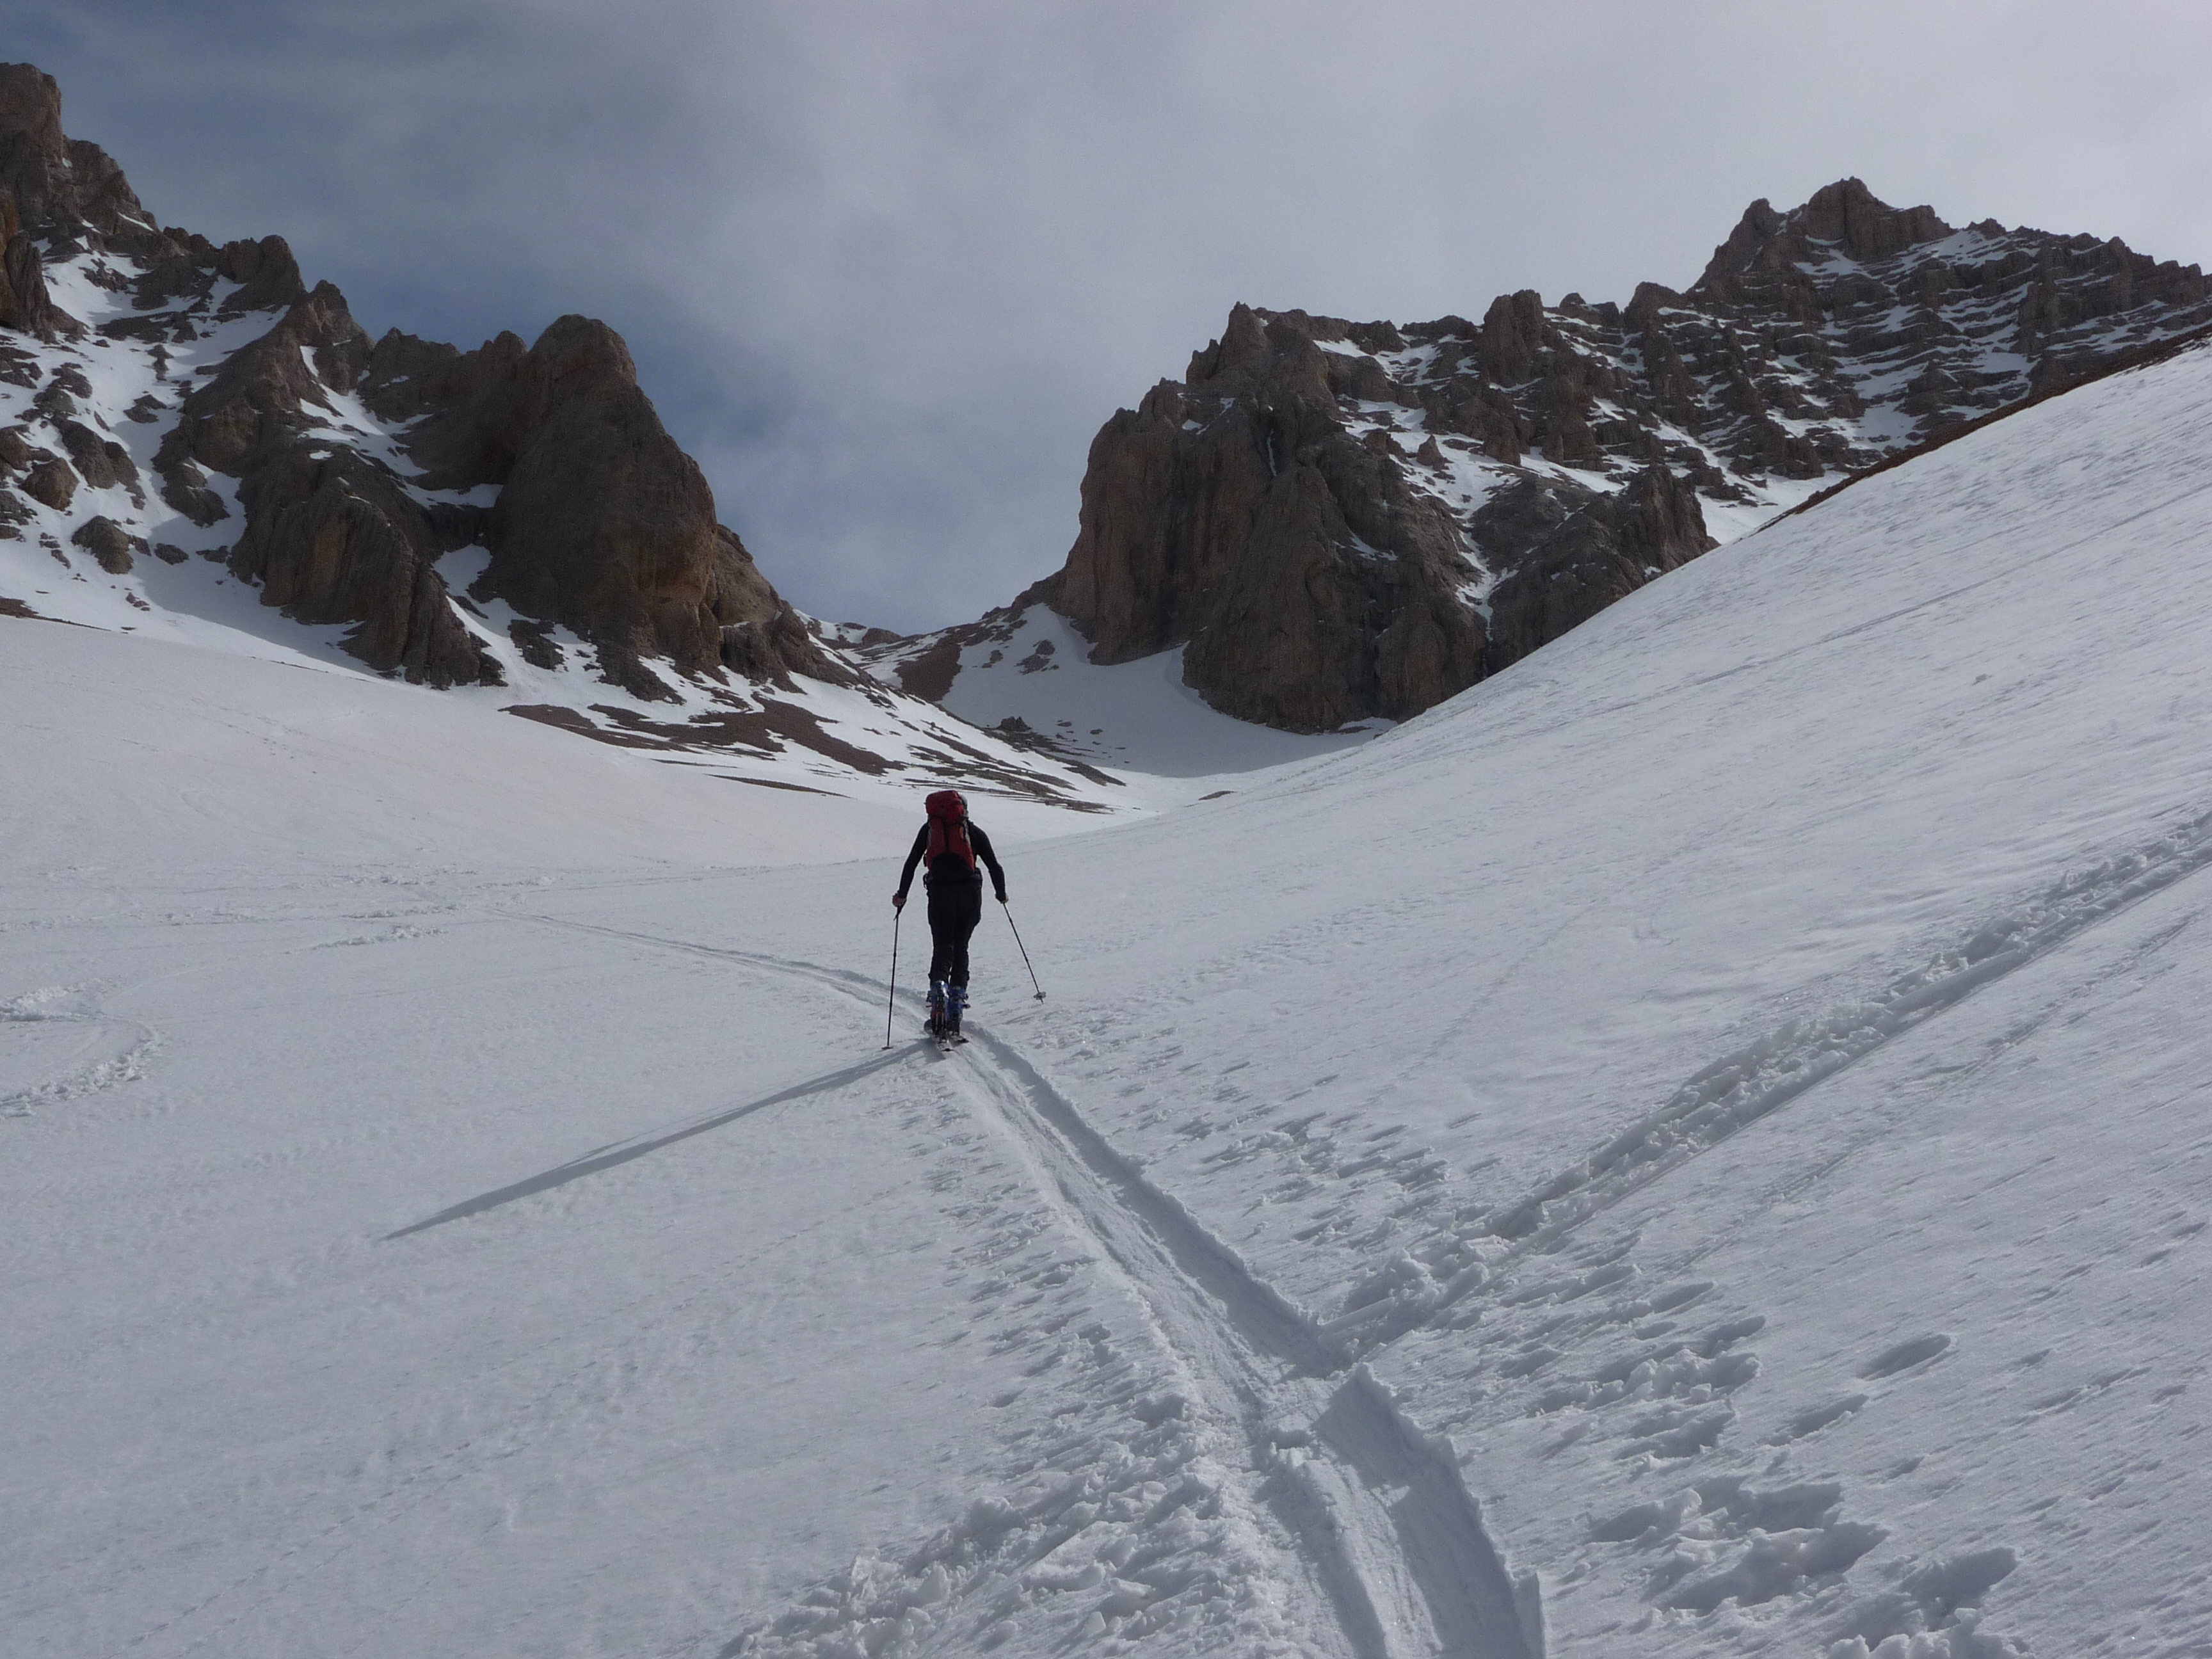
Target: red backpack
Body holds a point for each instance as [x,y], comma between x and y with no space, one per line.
[948,828]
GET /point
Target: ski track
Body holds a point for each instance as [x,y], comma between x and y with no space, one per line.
[1502,1266]
[1395,1541]
[122,1046]
[1742,1087]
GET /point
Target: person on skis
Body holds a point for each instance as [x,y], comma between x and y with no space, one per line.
[948,846]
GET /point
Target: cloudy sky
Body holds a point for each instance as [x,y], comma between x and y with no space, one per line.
[886,267]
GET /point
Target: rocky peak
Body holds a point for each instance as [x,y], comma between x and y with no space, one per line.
[1844,218]
[549,457]
[1340,520]
[55,185]
[1513,336]
[30,117]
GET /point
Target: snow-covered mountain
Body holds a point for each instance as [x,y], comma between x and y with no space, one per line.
[1695,1145]
[195,446]
[1336,522]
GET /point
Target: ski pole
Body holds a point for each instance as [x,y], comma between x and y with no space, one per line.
[891,1007]
[1024,949]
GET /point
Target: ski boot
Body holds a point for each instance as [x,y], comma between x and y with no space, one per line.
[955,1004]
[935,1024]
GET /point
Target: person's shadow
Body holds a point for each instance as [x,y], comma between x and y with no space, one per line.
[621,1152]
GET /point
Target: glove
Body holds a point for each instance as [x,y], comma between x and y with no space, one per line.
[1002,896]
[898,901]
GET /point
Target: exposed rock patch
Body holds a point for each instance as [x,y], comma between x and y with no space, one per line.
[603,524]
[108,542]
[102,463]
[329,538]
[50,482]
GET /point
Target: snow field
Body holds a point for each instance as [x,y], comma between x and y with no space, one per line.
[155,767]
[1137,717]
[1696,1146]
[283,1351]
[1464,995]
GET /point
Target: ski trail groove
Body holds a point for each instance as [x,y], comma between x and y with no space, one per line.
[1742,1087]
[122,1046]
[1397,1542]
[1444,1589]
[1441,1548]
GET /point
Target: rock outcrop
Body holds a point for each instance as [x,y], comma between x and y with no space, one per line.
[1235,512]
[1562,571]
[1339,520]
[603,524]
[53,189]
[109,543]
[50,481]
[593,519]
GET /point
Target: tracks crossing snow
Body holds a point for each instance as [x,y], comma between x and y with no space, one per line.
[1745,1086]
[1394,1544]
[82,1049]
[1391,1537]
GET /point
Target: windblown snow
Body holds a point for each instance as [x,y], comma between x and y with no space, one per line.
[1700,1145]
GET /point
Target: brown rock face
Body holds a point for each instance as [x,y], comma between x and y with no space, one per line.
[1312,585]
[330,538]
[108,542]
[1313,572]
[24,305]
[52,185]
[267,274]
[603,524]
[1342,520]
[260,399]
[1570,569]
[50,482]
[15,514]
[100,462]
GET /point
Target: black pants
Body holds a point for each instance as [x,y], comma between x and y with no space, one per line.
[955,907]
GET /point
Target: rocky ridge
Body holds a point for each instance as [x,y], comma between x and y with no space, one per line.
[193,421]
[1339,521]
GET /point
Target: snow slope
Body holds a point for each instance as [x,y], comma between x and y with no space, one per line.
[1696,1145]
[1136,717]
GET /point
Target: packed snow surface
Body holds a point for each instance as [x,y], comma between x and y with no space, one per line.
[1701,1144]
[1135,716]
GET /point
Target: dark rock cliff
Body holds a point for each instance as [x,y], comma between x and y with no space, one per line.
[602,524]
[1342,520]
[1235,512]
[593,519]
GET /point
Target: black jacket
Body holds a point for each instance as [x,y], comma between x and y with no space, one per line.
[950,869]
